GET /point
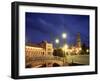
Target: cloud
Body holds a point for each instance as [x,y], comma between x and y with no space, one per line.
[48,27]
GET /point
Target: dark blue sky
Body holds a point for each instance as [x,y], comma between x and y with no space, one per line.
[45,26]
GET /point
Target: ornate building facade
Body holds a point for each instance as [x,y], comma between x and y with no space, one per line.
[37,50]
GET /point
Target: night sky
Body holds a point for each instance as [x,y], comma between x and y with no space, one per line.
[47,26]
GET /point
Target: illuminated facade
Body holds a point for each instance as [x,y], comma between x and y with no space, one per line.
[42,49]
[73,49]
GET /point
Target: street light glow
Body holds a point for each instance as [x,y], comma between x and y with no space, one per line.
[64,35]
[57,41]
[65,48]
[87,50]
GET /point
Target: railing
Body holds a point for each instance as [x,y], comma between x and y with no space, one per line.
[44,58]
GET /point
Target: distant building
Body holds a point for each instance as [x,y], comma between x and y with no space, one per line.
[42,49]
[74,49]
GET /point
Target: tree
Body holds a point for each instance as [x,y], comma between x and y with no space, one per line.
[58,52]
[84,49]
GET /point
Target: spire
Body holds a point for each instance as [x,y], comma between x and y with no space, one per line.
[78,40]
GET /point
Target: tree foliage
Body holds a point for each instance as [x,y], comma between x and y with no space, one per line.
[58,52]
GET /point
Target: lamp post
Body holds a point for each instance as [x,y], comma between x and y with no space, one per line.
[57,42]
[64,36]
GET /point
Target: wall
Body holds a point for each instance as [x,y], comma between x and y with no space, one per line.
[5,41]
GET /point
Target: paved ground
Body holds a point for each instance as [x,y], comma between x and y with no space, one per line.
[78,59]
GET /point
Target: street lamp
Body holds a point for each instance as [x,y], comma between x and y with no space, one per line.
[57,42]
[65,46]
[64,35]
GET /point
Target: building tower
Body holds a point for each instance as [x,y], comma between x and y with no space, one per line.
[78,40]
